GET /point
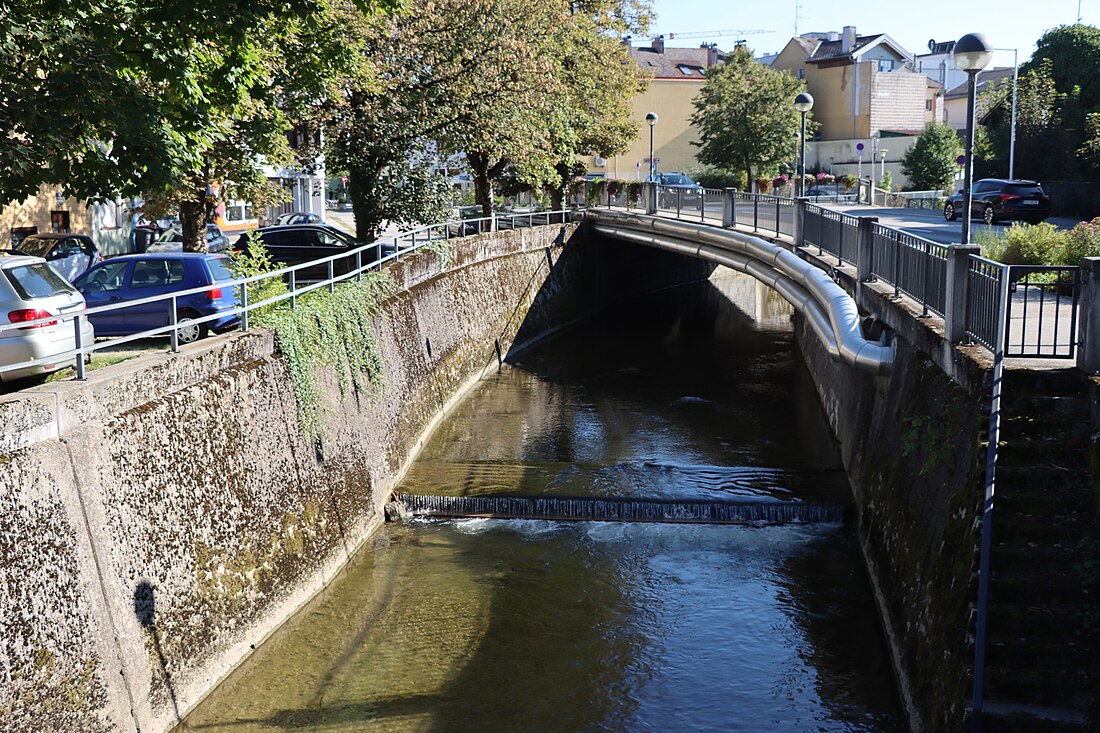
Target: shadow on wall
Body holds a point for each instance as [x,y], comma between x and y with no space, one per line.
[594,274]
[145,607]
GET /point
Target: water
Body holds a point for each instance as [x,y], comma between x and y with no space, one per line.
[521,625]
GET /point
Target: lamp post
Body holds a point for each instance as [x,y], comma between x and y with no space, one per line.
[972,54]
[804,102]
[651,118]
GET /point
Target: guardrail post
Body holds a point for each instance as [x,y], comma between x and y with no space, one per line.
[798,211]
[958,276]
[650,198]
[78,324]
[1088,355]
[729,210]
[244,307]
[865,247]
[173,320]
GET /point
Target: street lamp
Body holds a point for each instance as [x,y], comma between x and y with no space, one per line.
[972,54]
[803,103]
[651,118]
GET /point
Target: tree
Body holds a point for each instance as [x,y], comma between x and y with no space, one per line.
[158,97]
[1071,57]
[1037,115]
[745,116]
[930,163]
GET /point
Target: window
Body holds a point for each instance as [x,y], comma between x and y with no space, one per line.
[885,64]
[111,215]
[18,234]
[59,222]
[106,278]
[928,105]
[801,73]
[37,280]
[156,273]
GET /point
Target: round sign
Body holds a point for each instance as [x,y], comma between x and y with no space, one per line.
[859,146]
[961,160]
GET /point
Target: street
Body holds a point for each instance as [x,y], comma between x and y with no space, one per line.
[930,224]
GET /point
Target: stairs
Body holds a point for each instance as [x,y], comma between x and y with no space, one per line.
[1040,657]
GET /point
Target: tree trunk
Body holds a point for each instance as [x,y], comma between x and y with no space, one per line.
[483,183]
[557,195]
[361,186]
[193,222]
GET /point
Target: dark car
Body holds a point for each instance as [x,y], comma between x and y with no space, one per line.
[67,254]
[294,244]
[171,240]
[675,185]
[997,199]
[133,277]
[297,217]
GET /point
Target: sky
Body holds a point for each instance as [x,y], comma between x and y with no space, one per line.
[1008,24]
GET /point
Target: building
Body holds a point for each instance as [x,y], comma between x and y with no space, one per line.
[677,75]
[954,99]
[108,223]
[869,103]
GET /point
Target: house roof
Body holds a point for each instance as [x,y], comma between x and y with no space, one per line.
[986,81]
[834,50]
[674,63]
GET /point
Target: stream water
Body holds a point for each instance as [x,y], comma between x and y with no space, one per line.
[528,625]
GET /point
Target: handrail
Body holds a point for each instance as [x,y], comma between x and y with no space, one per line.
[418,238]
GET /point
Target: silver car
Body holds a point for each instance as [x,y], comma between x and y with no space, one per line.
[30,290]
[172,240]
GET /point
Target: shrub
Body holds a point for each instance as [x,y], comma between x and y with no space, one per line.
[1024,244]
[711,177]
[849,182]
[763,184]
[1080,242]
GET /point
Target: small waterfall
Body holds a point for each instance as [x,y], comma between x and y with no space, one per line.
[610,509]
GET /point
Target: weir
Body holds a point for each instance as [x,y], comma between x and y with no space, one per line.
[617,509]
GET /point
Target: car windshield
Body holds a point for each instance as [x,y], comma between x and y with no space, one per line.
[36,280]
[218,269]
[1024,189]
[36,247]
[677,179]
[345,238]
[172,235]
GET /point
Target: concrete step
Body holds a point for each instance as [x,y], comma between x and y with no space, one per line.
[1003,717]
[1067,689]
[1038,621]
[1041,453]
[1055,408]
[1065,381]
[1037,654]
[1035,587]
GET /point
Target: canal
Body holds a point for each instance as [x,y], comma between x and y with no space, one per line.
[498,625]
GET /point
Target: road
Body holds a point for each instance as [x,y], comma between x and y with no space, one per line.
[930,224]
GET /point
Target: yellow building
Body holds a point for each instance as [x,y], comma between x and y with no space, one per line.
[677,75]
[107,223]
[861,85]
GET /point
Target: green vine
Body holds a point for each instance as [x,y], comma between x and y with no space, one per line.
[333,330]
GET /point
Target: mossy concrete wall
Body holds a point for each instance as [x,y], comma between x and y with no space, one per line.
[912,446]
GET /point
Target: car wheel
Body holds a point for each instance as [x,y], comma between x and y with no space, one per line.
[988,216]
[949,212]
[189,331]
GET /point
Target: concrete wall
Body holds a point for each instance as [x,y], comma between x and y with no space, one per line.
[160,519]
[34,211]
[672,135]
[911,444]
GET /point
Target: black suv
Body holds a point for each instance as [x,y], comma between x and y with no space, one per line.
[293,244]
[994,199]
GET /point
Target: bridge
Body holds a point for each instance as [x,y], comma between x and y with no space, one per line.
[904,338]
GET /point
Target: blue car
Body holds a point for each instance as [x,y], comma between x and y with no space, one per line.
[134,277]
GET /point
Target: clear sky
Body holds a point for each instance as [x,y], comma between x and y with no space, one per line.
[1007,23]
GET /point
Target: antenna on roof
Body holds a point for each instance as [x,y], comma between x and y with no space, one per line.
[797,15]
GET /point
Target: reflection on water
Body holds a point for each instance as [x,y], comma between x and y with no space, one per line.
[542,626]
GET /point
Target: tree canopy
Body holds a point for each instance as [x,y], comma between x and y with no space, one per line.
[930,163]
[745,116]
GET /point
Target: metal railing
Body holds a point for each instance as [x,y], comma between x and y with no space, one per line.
[1042,312]
[342,267]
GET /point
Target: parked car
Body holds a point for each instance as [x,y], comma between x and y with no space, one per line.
[997,199]
[675,185]
[31,289]
[172,240]
[133,277]
[68,254]
[294,244]
[297,217]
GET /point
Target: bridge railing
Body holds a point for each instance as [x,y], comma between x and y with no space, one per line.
[343,267]
[1041,314]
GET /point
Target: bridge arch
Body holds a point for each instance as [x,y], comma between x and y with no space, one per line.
[829,310]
